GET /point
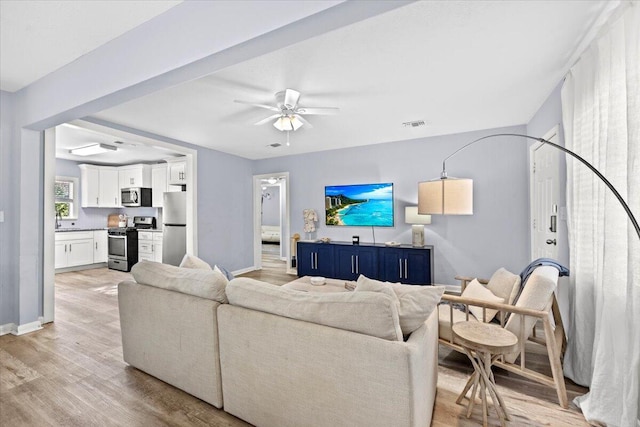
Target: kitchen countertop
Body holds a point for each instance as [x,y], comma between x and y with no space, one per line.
[68,229]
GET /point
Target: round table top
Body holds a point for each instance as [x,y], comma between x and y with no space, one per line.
[485,337]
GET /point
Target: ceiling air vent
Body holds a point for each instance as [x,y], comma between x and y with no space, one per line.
[414,124]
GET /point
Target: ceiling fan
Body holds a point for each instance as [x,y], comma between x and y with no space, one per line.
[289,115]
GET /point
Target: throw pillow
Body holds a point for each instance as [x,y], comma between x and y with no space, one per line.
[192,261]
[415,303]
[209,284]
[505,285]
[476,291]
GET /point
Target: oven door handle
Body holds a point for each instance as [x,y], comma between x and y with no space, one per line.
[116,237]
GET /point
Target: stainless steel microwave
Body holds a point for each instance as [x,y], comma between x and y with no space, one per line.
[136,197]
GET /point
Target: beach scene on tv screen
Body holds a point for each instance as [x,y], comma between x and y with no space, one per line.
[363,205]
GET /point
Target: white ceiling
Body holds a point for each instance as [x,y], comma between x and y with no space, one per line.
[40,36]
[130,149]
[457,65]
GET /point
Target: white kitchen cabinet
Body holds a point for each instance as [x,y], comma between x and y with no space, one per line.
[134,176]
[150,246]
[177,171]
[100,246]
[90,186]
[99,186]
[73,248]
[109,189]
[159,184]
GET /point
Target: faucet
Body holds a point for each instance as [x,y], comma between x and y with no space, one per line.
[58,218]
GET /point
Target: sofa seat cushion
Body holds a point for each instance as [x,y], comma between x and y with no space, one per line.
[367,313]
[209,284]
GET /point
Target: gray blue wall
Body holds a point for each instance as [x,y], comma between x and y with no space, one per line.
[496,235]
[271,206]
[8,228]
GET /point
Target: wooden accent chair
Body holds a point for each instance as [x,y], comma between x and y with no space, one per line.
[537,304]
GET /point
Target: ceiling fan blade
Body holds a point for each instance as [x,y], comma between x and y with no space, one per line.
[318,110]
[291,98]
[303,120]
[267,120]
[268,107]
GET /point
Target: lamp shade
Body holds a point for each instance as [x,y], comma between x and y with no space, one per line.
[446,196]
[411,216]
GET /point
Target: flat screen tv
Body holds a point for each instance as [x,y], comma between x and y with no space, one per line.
[362,205]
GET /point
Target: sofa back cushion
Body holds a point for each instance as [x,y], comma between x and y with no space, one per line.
[414,303]
[209,284]
[367,313]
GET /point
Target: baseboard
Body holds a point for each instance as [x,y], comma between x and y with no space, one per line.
[7,328]
[27,328]
[81,267]
[244,270]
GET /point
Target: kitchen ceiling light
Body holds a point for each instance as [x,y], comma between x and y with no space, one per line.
[92,149]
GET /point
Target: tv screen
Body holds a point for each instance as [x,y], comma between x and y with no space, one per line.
[362,205]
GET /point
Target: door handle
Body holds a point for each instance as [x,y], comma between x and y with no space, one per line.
[352,265]
[316,260]
[357,265]
[96,246]
[551,242]
[312,261]
[400,263]
[65,248]
[405,268]
[553,227]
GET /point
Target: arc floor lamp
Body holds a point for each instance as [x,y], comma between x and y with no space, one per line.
[454,196]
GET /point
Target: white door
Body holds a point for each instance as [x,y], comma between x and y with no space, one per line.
[544,203]
[109,188]
[60,254]
[80,252]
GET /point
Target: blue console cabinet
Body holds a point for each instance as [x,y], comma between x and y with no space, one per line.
[343,260]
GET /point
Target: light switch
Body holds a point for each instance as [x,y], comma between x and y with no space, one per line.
[1,216]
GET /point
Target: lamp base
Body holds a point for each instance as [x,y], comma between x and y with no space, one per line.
[417,235]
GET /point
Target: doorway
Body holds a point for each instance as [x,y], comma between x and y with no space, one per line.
[50,135]
[271,219]
[544,178]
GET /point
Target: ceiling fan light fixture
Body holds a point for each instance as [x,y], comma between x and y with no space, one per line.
[287,123]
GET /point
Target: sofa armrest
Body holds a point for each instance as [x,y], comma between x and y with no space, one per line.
[172,336]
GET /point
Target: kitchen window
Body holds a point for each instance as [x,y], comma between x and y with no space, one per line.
[66,197]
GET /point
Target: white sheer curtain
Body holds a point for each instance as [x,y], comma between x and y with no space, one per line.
[601,109]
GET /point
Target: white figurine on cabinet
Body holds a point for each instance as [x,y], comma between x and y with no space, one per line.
[310,217]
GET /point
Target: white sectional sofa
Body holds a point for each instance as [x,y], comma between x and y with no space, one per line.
[270,234]
[279,357]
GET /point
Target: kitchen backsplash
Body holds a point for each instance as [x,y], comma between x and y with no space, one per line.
[97,217]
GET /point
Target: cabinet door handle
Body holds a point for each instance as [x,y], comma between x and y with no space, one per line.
[312,260]
[96,246]
[357,264]
[316,260]
[400,263]
[115,201]
[352,271]
[65,248]
[97,201]
[70,247]
[405,268]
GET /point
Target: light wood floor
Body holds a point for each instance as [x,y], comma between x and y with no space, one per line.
[71,373]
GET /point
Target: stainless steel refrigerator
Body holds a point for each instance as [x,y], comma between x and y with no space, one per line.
[174,232]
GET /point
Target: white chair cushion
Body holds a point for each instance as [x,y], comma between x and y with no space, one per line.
[536,295]
[444,319]
[505,285]
[476,291]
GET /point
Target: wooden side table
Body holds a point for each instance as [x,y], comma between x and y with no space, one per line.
[488,342]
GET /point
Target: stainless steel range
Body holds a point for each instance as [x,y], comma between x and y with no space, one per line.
[123,243]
